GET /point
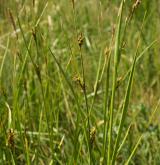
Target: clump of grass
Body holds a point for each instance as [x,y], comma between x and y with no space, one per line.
[45,117]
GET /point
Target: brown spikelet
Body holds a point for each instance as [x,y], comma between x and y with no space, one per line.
[12,21]
[73,3]
[79,81]
[80,40]
[34,34]
[133,8]
[10,138]
[106,51]
[136,4]
[92,135]
[38,72]
[119,81]
[33,2]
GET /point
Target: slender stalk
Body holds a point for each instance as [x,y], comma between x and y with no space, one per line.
[116,62]
[124,109]
[106,101]
[106,98]
[86,102]
[134,150]
[79,112]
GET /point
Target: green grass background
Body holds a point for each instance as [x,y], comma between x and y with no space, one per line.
[38,103]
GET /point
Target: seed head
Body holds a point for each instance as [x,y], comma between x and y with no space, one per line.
[79,81]
[10,138]
[80,40]
[119,81]
[73,3]
[106,51]
[92,135]
[136,4]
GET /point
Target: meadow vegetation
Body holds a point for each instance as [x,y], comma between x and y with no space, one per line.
[79,82]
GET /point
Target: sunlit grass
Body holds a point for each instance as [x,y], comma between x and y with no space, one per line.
[79,82]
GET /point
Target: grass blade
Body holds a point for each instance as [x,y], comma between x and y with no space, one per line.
[124,109]
[134,150]
[77,103]
[116,62]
